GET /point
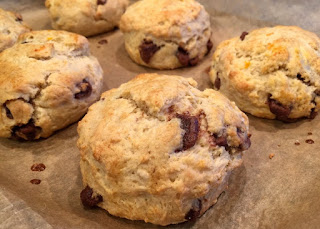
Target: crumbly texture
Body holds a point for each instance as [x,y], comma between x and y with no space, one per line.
[271,73]
[170,35]
[160,150]
[11,26]
[48,79]
[86,17]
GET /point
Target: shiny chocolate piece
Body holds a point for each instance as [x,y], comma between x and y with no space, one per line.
[87,199]
[191,126]
[147,49]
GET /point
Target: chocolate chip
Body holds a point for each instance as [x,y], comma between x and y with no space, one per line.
[221,141]
[87,199]
[282,112]
[217,83]
[27,131]
[183,57]
[243,35]
[299,77]
[245,139]
[38,167]
[209,46]
[195,211]
[85,90]
[147,49]
[8,112]
[317,92]
[35,181]
[101,2]
[171,109]
[191,126]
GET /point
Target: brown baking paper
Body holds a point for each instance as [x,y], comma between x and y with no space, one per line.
[282,192]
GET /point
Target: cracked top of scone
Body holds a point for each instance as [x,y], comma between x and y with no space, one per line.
[156,145]
[166,18]
[11,26]
[86,17]
[270,72]
[48,79]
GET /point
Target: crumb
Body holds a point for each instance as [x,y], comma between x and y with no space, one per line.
[207,70]
[297,143]
[309,141]
[103,41]
[271,155]
[309,133]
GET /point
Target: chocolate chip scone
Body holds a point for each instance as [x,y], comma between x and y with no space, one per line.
[86,17]
[271,73]
[11,26]
[166,34]
[48,79]
[160,150]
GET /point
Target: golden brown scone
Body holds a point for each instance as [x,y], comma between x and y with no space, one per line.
[86,17]
[11,26]
[166,34]
[160,150]
[48,79]
[271,73]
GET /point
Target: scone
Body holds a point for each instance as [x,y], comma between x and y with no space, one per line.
[86,17]
[166,34]
[48,79]
[160,150]
[271,73]
[11,26]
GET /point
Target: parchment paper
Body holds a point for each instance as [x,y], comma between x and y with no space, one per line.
[282,192]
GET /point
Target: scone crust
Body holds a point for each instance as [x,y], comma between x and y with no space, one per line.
[170,25]
[12,26]
[271,70]
[86,17]
[132,148]
[48,79]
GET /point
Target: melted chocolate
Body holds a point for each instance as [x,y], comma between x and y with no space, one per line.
[101,2]
[35,181]
[38,167]
[243,35]
[191,126]
[194,212]
[147,49]
[27,131]
[87,199]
